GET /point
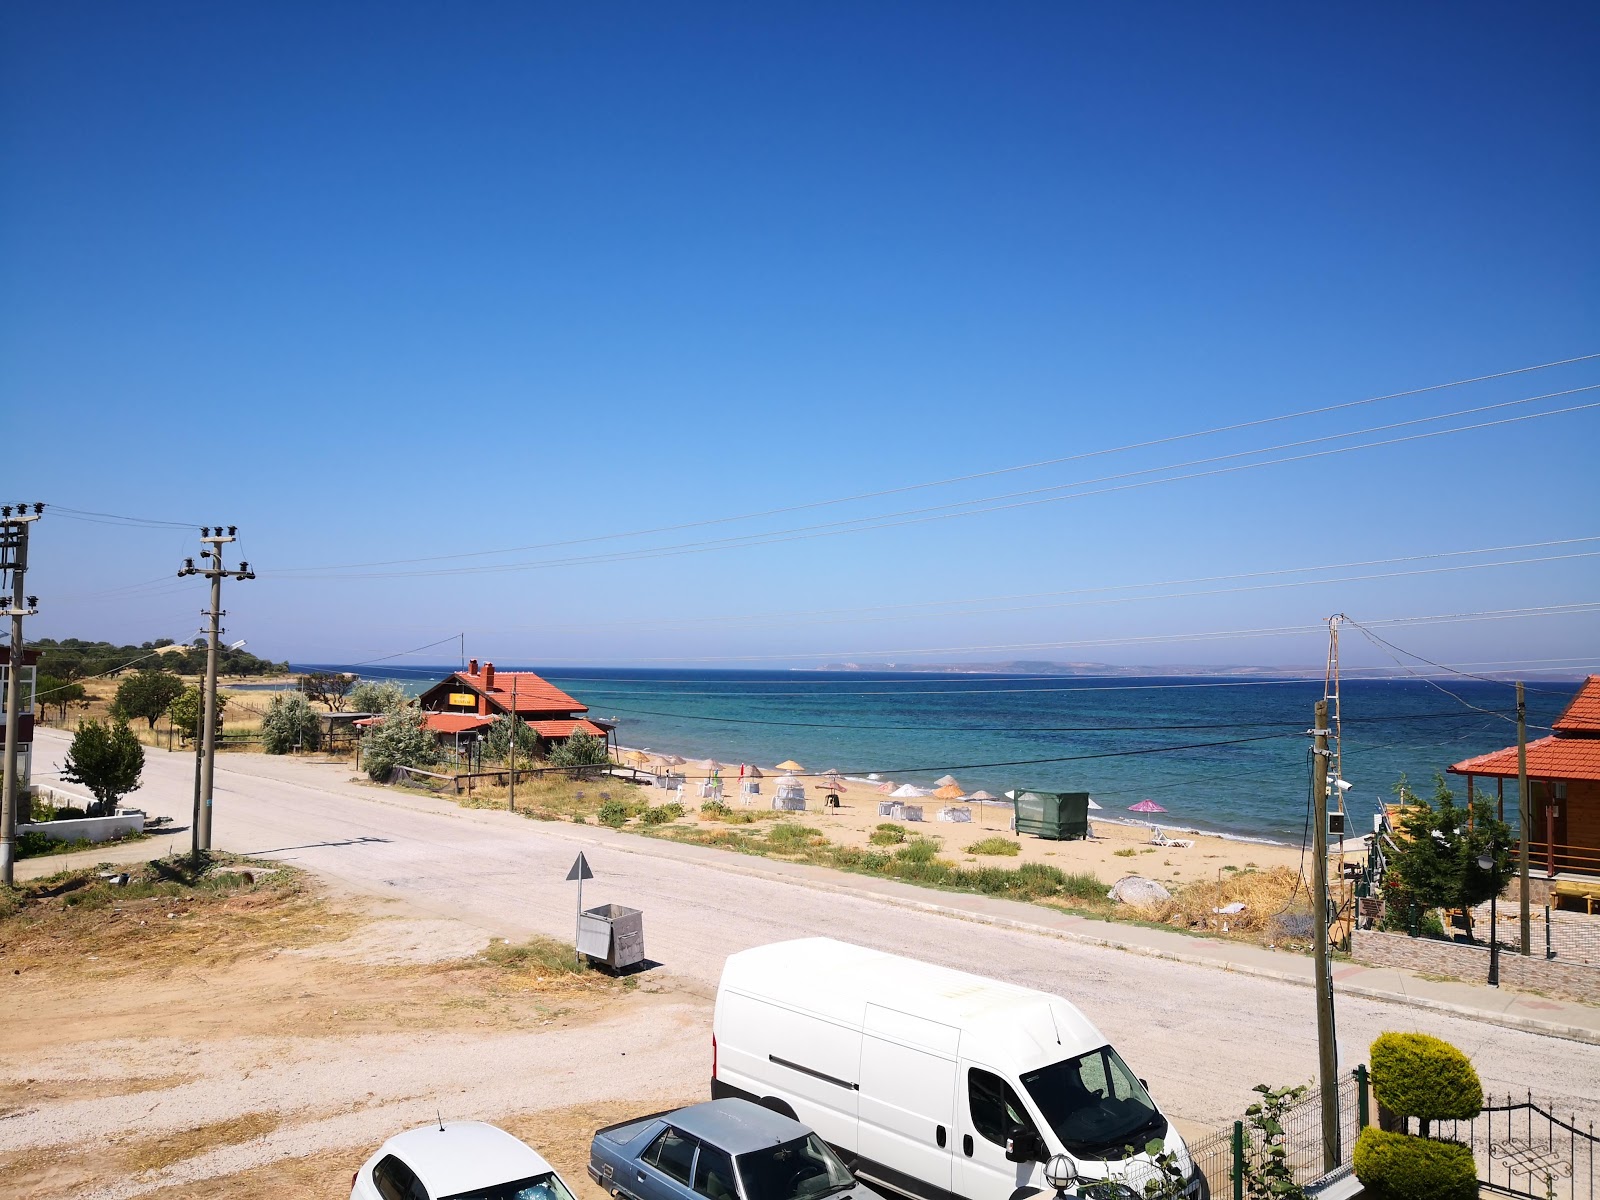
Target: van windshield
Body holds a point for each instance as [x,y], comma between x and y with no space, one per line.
[1095,1104]
[803,1169]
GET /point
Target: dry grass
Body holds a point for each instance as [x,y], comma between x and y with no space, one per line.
[540,965]
[154,1153]
[162,918]
[1263,893]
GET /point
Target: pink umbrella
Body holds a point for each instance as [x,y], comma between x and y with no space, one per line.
[1146,805]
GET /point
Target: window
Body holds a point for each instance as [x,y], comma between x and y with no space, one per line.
[713,1174]
[536,1187]
[1095,1104]
[396,1181]
[996,1111]
[803,1169]
[671,1154]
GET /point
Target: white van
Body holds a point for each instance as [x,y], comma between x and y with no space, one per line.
[937,1084]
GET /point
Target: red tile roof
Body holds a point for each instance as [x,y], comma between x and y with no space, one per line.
[1548,758]
[449,722]
[534,692]
[1583,714]
[564,729]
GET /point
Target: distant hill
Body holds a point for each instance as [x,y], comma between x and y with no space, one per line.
[1023,666]
[75,658]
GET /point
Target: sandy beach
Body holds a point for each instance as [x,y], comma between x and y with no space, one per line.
[1114,850]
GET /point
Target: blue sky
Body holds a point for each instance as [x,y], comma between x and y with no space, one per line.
[382,282]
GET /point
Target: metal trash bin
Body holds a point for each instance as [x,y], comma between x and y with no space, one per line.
[613,935]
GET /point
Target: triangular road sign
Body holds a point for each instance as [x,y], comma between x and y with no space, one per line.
[580,869]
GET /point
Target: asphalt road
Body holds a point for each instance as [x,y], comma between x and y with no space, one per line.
[1202,1037]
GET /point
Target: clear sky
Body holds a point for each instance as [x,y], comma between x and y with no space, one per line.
[392,281]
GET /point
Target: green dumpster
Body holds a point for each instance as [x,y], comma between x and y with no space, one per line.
[1059,816]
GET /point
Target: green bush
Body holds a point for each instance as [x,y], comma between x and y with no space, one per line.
[715,808]
[66,813]
[1397,1166]
[290,723]
[615,813]
[786,836]
[918,850]
[1002,846]
[888,834]
[1081,885]
[1415,1075]
[662,814]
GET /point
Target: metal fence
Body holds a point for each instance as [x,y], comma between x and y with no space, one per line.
[1228,1155]
[1524,1149]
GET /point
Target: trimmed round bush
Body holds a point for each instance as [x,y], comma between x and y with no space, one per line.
[1414,1075]
[1397,1166]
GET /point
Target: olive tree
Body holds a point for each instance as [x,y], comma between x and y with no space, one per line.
[291,723]
[146,694]
[399,740]
[376,696]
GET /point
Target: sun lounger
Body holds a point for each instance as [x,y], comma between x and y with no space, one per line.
[1157,838]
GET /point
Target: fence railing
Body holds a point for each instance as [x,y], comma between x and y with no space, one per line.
[1524,1149]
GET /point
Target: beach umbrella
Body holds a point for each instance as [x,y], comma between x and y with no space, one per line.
[981,795]
[949,791]
[1146,805]
[753,773]
[636,757]
[674,760]
[948,781]
[1093,807]
[908,791]
[789,765]
[886,787]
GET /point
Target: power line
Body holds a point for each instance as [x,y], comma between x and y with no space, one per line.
[878,494]
[939,513]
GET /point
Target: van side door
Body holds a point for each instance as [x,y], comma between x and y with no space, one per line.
[991,1114]
[907,1102]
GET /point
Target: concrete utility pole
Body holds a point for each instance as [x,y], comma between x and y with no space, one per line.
[1327,1057]
[511,796]
[1524,815]
[14,559]
[200,840]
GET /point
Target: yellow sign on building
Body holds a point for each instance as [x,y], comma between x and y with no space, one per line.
[464,699]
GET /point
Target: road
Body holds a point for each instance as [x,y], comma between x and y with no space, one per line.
[1202,1037]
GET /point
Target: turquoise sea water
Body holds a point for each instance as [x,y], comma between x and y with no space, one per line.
[1226,756]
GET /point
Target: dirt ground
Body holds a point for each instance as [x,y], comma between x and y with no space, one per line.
[266,1039]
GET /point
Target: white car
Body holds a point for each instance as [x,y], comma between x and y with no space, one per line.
[457,1160]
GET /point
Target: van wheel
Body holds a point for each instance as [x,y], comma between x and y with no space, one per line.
[778,1106]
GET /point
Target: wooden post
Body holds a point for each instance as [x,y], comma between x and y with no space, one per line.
[1328,1068]
[1524,817]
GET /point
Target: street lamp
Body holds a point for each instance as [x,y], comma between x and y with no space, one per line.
[1060,1173]
[1489,862]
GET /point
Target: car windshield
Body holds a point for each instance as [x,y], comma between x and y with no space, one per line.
[536,1187]
[1095,1104]
[799,1170]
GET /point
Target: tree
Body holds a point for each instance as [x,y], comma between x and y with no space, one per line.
[1435,861]
[497,741]
[290,724]
[580,750]
[147,694]
[1415,1076]
[329,687]
[377,696]
[55,693]
[107,760]
[186,709]
[399,740]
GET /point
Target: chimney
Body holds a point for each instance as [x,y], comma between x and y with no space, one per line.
[488,677]
[472,666]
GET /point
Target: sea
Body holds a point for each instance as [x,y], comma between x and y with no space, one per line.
[1219,754]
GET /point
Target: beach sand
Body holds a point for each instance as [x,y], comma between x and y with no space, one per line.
[1114,851]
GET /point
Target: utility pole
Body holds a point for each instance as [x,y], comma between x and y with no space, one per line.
[1327,1058]
[511,797]
[14,559]
[200,841]
[1524,815]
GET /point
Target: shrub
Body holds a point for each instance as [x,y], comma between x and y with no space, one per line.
[66,813]
[888,834]
[1415,1075]
[377,696]
[290,723]
[918,850]
[106,759]
[1397,1166]
[399,740]
[1002,846]
[1081,885]
[1128,853]
[580,750]
[787,836]
[614,813]
[662,814]
[715,808]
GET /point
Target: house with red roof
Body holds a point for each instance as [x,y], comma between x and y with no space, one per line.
[1563,788]
[469,701]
